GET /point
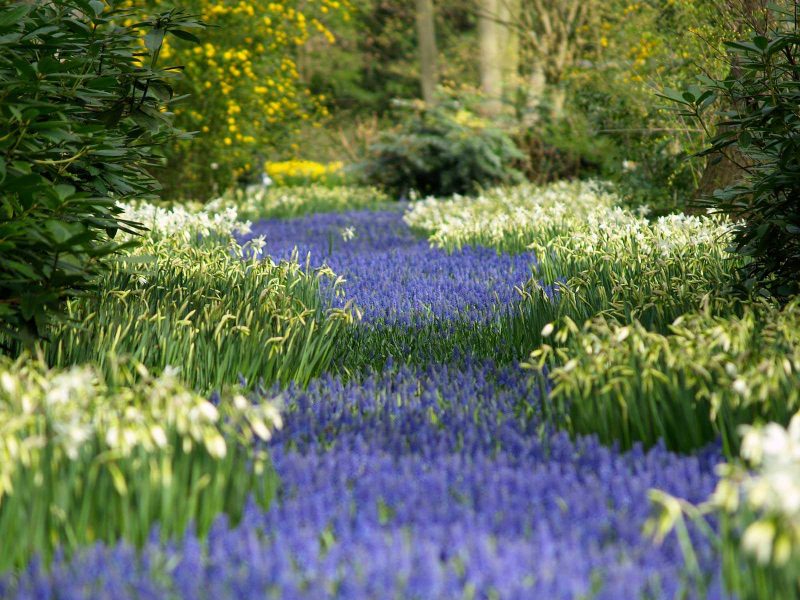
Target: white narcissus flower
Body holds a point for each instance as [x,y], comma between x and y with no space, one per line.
[740,387]
[208,412]
[170,373]
[215,444]
[569,366]
[260,429]
[726,496]
[112,437]
[159,436]
[273,414]
[775,442]
[240,402]
[257,244]
[751,448]
[9,384]
[757,540]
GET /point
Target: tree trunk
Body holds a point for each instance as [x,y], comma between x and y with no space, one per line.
[509,22]
[537,83]
[490,59]
[426,34]
[558,97]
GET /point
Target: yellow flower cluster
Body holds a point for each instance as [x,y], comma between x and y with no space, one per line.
[469,119]
[246,91]
[642,51]
[305,171]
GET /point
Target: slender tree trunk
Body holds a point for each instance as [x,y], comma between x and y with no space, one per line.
[509,21]
[537,84]
[490,59]
[558,97]
[426,34]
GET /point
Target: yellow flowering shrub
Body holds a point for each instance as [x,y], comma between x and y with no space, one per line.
[246,93]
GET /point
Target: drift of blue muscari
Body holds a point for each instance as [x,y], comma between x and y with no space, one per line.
[417,482]
[395,277]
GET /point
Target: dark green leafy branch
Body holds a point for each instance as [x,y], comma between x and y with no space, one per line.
[759,131]
[84,109]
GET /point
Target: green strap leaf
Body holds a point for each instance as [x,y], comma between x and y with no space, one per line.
[12,16]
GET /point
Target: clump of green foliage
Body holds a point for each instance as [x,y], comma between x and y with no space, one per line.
[86,457]
[82,111]
[760,132]
[215,314]
[705,378]
[442,150]
[565,148]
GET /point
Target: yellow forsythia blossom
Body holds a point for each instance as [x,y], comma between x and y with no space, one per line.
[245,90]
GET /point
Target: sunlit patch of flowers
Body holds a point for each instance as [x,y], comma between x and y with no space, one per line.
[296,171]
[130,439]
[510,218]
[624,231]
[582,216]
[214,219]
[622,265]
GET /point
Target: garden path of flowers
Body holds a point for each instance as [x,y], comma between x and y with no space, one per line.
[419,481]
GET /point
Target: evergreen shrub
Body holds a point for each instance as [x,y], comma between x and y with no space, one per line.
[82,109]
[442,150]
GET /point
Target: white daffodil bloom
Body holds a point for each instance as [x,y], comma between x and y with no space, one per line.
[208,412]
[740,387]
[757,540]
[770,489]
